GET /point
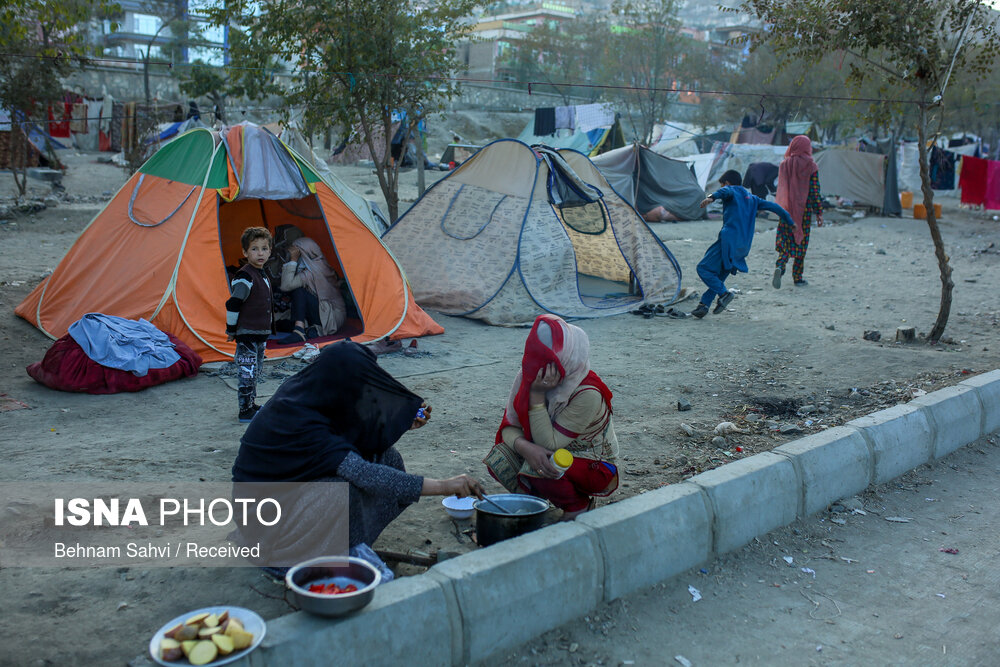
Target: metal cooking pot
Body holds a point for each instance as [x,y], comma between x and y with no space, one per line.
[527,514]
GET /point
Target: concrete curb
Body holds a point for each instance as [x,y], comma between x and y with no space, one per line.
[471,607]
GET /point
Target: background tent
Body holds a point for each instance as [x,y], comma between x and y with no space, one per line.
[513,233]
[161,247]
[852,175]
[593,142]
[647,180]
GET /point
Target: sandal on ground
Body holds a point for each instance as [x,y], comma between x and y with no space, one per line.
[298,335]
[675,314]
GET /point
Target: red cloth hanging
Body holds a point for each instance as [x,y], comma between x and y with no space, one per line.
[60,128]
[973,180]
[992,199]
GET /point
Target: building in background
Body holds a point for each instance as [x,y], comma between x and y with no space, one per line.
[494,39]
[172,31]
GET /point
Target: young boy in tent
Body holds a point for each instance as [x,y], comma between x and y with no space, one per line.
[249,316]
[728,254]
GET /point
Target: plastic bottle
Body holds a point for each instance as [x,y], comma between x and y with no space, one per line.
[562,459]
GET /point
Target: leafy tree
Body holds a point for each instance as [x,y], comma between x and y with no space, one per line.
[355,63]
[908,49]
[559,56]
[644,54]
[40,42]
[777,94]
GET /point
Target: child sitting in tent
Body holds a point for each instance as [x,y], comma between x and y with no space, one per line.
[728,254]
[249,318]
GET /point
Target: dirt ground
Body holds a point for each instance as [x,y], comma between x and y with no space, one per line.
[791,359]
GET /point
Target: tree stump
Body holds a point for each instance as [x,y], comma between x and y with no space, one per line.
[906,334]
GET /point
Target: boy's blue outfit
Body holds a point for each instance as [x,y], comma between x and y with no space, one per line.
[728,254]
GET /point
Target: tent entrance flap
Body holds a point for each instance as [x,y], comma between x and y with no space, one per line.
[602,274]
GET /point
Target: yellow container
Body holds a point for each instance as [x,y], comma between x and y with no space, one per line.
[906,199]
[562,459]
[920,212]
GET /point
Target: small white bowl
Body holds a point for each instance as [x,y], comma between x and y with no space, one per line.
[458,508]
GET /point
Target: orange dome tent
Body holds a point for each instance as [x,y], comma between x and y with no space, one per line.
[159,249]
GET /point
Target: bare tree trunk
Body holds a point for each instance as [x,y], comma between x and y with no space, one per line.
[145,75]
[925,185]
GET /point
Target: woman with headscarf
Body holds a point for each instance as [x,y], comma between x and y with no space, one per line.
[557,402]
[798,193]
[318,307]
[337,420]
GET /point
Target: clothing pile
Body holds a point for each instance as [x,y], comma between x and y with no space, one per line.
[103,354]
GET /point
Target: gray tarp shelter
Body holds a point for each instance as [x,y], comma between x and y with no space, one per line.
[647,179]
[852,175]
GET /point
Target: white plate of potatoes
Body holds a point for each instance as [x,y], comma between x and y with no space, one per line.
[207,636]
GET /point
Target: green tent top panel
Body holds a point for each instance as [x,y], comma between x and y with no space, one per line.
[186,159]
[307,171]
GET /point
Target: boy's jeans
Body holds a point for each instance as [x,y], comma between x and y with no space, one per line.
[712,274]
[249,359]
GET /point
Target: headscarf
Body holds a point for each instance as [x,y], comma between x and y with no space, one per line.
[551,341]
[793,180]
[342,402]
[317,273]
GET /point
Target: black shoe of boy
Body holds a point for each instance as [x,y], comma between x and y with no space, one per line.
[246,416]
[802,282]
[701,311]
[723,301]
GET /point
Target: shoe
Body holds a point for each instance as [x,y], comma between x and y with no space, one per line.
[776,280]
[312,332]
[298,335]
[801,283]
[701,311]
[723,301]
[246,416]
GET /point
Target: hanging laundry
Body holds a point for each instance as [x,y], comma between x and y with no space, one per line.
[592,116]
[545,121]
[972,180]
[991,201]
[565,118]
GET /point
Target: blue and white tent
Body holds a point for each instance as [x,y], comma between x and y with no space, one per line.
[516,231]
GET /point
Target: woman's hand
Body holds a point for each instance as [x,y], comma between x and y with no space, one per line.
[419,421]
[819,220]
[537,457]
[461,486]
[294,253]
[548,377]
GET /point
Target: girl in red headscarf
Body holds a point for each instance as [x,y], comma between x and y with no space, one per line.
[557,402]
[798,193]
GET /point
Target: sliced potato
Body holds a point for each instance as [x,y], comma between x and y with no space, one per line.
[241,638]
[233,625]
[186,646]
[172,631]
[197,618]
[224,644]
[203,653]
[170,650]
[211,621]
[186,632]
[223,617]
[205,633]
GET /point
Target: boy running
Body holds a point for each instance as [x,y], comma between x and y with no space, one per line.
[728,254]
